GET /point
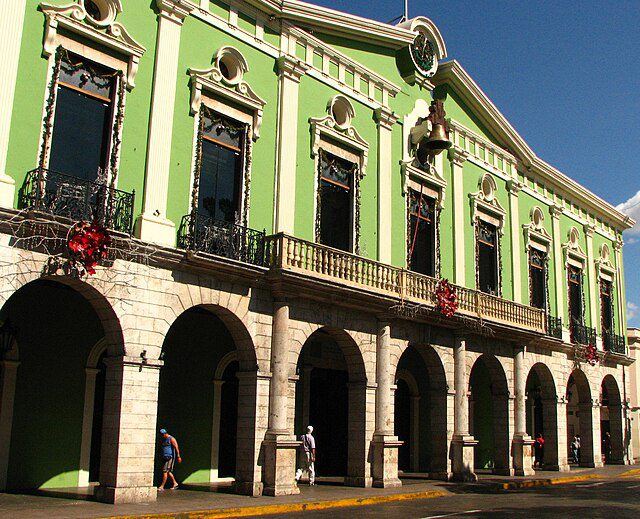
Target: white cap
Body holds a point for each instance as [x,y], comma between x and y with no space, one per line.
[310,429]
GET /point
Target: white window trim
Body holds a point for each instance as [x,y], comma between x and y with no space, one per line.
[112,34]
[535,235]
[604,267]
[485,206]
[574,255]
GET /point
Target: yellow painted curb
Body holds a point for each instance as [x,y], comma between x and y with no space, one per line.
[542,482]
[630,473]
[286,508]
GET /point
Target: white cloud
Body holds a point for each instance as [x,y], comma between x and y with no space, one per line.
[632,208]
[632,310]
[631,241]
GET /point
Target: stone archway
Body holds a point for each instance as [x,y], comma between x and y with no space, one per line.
[207,396]
[420,412]
[542,412]
[611,422]
[580,417]
[64,328]
[489,414]
[331,396]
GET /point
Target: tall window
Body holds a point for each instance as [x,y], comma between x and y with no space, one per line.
[335,201]
[606,306]
[538,278]
[422,233]
[81,138]
[487,250]
[220,176]
[575,295]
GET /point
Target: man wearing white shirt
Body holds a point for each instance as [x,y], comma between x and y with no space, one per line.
[308,456]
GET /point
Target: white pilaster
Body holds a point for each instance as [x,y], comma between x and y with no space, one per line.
[9,373]
[290,72]
[458,158]
[559,269]
[594,296]
[514,188]
[622,310]
[152,224]
[385,120]
[11,23]
[87,425]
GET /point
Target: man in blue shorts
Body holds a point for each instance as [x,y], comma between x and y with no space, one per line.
[170,452]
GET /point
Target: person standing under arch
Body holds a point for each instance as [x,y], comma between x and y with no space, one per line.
[170,452]
[308,457]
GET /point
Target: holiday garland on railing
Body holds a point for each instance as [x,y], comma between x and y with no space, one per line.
[87,245]
[446,298]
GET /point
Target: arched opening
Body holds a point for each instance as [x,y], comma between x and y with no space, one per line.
[579,420]
[53,386]
[330,396]
[420,419]
[489,414]
[541,406]
[204,353]
[611,423]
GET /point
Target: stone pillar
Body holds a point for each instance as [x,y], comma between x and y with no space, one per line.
[385,444]
[129,432]
[590,439]
[87,425]
[458,158]
[362,402]
[385,120]
[215,429]
[594,294]
[563,439]
[11,23]
[290,71]
[522,442]
[462,442]
[280,446]
[152,225]
[9,374]
[514,188]
[560,281]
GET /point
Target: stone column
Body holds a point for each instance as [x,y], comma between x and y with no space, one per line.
[462,442]
[385,120]
[522,442]
[152,225]
[594,295]
[129,431]
[9,374]
[458,158]
[563,440]
[87,425]
[561,284]
[385,444]
[514,188]
[590,445]
[280,445]
[11,23]
[215,429]
[290,71]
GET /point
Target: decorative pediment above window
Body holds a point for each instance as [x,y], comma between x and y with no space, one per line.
[485,205]
[430,179]
[535,235]
[573,253]
[341,140]
[225,79]
[94,20]
[604,266]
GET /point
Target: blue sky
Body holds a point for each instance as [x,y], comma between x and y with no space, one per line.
[565,74]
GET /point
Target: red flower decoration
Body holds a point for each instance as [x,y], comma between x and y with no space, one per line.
[87,244]
[592,354]
[446,299]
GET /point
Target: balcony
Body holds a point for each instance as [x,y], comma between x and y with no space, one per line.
[554,326]
[318,261]
[69,197]
[613,343]
[581,334]
[199,233]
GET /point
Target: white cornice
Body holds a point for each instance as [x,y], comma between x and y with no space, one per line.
[452,73]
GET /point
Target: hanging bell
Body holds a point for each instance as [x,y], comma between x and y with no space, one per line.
[434,144]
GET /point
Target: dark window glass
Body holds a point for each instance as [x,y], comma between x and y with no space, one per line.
[487,258]
[82,121]
[606,305]
[336,201]
[422,246]
[575,295]
[220,169]
[538,278]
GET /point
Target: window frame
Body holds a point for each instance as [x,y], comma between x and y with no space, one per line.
[434,202]
[545,279]
[498,258]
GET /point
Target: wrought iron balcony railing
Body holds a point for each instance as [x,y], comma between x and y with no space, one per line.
[581,334]
[203,234]
[613,343]
[77,199]
[554,326]
[319,261]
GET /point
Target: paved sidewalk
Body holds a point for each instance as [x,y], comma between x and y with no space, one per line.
[180,502]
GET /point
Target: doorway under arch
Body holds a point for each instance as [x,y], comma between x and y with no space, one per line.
[611,422]
[580,417]
[542,412]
